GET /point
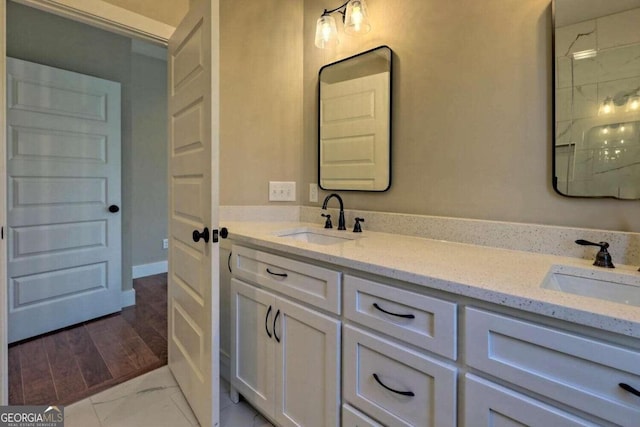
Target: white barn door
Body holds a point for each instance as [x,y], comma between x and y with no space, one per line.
[63,169]
[193,207]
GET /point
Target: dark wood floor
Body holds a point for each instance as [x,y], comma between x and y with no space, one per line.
[70,364]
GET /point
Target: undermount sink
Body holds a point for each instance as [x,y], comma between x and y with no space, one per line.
[317,236]
[606,285]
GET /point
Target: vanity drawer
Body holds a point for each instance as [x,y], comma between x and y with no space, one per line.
[305,282]
[580,372]
[426,322]
[432,382]
[351,417]
[488,404]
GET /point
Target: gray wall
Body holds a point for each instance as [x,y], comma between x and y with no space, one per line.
[149,159]
[39,37]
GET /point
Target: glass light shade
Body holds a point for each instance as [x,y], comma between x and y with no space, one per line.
[356,19]
[607,107]
[633,103]
[326,32]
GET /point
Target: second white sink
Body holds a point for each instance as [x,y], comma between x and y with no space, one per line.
[606,285]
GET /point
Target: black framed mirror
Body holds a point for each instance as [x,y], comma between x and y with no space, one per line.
[596,144]
[354,122]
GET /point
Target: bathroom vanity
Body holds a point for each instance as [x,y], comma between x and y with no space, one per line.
[380,329]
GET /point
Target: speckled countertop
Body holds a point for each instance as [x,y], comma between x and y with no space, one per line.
[505,277]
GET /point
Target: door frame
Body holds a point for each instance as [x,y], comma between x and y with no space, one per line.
[96,13]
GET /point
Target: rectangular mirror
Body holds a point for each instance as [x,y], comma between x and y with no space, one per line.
[354,123]
[596,149]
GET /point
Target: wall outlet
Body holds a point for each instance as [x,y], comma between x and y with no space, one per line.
[165,243]
[313,192]
[282,191]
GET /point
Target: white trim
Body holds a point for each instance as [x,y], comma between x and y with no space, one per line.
[144,270]
[128,298]
[4,369]
[108,17]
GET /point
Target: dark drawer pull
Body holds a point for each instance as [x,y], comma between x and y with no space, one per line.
[266,322]
[630,389]
[277,274]
[404,316]
[229,262]
[404,393]
[275,319]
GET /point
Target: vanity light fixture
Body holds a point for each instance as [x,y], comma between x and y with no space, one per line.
[355,20]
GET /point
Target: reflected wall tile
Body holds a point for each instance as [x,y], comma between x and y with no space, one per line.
[563,132]
[576,38]
[580,102]
[616,87]
[563,72]
[586,71]
[618,63]
[619,29]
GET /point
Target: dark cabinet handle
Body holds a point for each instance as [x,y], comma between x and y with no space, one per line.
[114,208]
[630,389]
[404,316]
[404,393]
[198,235]
[229,262]
[266,322]
[275,319]
[277,274]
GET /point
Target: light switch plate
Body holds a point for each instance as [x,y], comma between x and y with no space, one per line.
[282,191]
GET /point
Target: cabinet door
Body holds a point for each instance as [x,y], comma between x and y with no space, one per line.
[488,404]
[252,357]
[308,367]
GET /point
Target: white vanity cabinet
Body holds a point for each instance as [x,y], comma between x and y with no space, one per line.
[294,324]
[575,371]
[285,357]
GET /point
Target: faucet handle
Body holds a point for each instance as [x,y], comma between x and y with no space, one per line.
[327,223]
[356,226]
[603,257]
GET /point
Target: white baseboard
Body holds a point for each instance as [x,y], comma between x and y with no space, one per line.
[143,270]
[128,298]
[225,366]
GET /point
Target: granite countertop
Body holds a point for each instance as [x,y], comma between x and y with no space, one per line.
[506,277]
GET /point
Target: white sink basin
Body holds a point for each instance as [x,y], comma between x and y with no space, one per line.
[607,285]
[317,236]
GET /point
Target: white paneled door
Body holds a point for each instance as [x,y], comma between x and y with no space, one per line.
[193,214]
[63,168]
[354,119]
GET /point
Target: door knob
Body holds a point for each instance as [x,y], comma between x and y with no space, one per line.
[114,208]
[201,235]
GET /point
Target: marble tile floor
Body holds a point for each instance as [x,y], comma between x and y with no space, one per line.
[154,400]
